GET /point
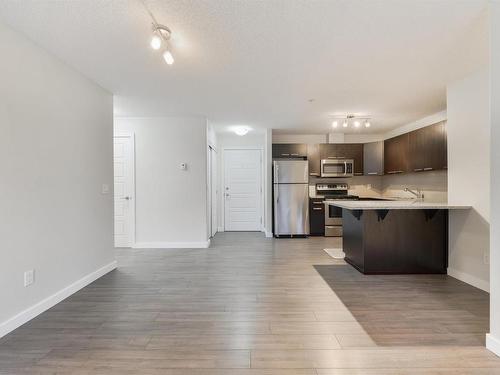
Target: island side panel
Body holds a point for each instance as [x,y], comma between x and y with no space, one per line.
[405,241]
[352,238]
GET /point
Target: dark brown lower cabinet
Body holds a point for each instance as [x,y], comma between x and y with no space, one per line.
[316,217]
[396,241]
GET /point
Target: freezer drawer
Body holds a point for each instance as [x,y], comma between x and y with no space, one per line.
[291,209]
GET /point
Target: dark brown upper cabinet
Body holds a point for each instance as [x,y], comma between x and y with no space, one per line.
[344,151]
[396,153]
[373,158]
[314,160]
[428,149]
[289,150]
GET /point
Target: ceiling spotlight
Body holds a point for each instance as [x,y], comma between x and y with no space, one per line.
[167,56]
[156,42]
[335,124]
[367,124]
[345,124]
[356,124]
[241,130]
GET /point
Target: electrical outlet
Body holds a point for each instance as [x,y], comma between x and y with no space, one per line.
[105,189]
[486,258]
[29,277]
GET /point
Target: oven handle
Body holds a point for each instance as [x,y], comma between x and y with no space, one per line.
[345,168]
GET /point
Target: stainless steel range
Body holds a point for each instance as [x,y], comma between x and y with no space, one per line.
[333,215]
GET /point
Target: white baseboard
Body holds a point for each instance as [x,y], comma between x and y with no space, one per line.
[493,344]
[220,229]
[172,245]
[38,308]
[469,279]
[269,234]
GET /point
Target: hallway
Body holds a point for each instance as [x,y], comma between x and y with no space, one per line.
[252,305]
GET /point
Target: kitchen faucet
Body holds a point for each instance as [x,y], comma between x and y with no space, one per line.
[418,194]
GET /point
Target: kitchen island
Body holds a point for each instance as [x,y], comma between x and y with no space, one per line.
[396,237]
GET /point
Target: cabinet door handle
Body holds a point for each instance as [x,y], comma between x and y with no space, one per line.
[428,169]
[394,172]
[418,169]
[317,209]
[372,173]
[313,174]
[295,154]
[285,154]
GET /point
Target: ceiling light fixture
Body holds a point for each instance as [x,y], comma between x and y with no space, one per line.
[156,42]
[167,56]
[161,36]
[350,119]
[241,130]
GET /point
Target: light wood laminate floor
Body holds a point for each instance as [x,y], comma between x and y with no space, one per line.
[255,306]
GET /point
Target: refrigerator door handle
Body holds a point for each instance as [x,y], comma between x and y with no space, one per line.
[276,208]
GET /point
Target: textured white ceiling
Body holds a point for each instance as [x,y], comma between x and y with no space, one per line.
[259,62]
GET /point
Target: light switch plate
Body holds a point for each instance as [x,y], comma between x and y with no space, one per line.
[29,277]
[105,189]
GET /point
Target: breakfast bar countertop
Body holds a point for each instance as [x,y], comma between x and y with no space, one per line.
[394,205]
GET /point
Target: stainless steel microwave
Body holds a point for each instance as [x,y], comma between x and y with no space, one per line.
[337,168]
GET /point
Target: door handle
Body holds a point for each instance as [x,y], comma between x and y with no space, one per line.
[127,198]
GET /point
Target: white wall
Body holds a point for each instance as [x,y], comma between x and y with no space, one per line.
[299,138]
[493,339]
[171,204]
[268,182]
[55,154]
[469,177]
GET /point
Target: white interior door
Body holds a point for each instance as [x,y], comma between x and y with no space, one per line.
[124,190]
[242,190]
[213,191]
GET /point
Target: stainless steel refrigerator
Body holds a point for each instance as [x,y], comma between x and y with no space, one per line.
[291,197]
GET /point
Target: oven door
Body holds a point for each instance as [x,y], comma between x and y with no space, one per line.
[333,215]
[336,168]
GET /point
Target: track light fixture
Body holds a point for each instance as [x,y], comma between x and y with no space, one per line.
[353,120]
[161,37]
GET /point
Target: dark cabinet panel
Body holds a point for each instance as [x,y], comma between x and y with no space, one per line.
[314,160]
[373,156]
[428,149]
[289,150]
[355,152]
[329,151]
[344,151]
[316,217]
[396,153]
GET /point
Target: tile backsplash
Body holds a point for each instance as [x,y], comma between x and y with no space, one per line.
[433,184]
